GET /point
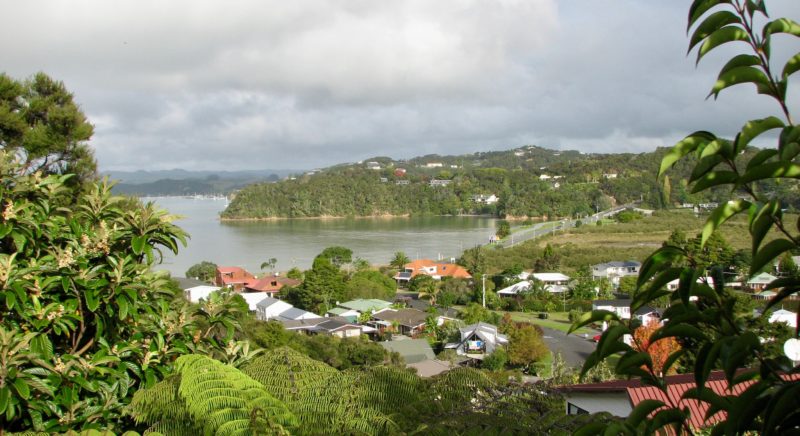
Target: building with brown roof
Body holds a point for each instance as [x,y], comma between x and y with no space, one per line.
[409,322]
[269,285]
[233,277]
[435,269]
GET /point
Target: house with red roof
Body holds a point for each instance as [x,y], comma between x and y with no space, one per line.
[435,269]
[233,277]
[620,397]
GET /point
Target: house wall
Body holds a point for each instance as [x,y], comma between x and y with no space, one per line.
[616,403]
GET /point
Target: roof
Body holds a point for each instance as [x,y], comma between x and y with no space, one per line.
[622,385]
[307,323]
[485,331]
[269,301]
[252,299]
[761,279]
[516,288]
[365,305]
[295,313]
[697,409]
[550,277]
[618,264]
[412,350]
[613,303]
[332,325]
[186,283]
[644,310]
[340,311]
[442,269]
[405,317]
[271,283]
[230,269]
[430,368]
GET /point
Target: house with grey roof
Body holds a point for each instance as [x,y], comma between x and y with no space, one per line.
[271,308]
[411,350]
[760,281]
[409,322]
[335,327]
[479,340]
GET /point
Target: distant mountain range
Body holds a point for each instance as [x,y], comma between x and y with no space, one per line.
[184,182]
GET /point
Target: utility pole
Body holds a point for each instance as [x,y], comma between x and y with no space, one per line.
[483,280]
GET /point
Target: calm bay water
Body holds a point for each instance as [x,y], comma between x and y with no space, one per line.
[297,242]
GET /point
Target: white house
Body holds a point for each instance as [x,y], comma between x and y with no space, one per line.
[673,285]
[270,308]
[553,282]
[784,316]
[620,307]
[516,288]
[613,271]
[196,293]
[479,339]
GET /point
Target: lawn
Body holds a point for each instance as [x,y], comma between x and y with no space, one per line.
[544,367]
[556,321]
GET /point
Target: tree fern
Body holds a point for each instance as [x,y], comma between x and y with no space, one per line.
[323,399]
[213,398]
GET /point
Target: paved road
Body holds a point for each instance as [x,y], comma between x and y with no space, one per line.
[574,348]
[536,230]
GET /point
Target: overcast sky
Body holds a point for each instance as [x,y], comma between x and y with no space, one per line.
[300,84]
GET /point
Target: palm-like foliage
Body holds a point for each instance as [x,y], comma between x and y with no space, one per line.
[215,398]
[323,398]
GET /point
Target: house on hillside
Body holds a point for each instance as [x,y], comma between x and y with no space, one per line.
[435,269]
[622,308]
[440,182]
[269,285]
[515,289]
[233,277]
[408,322]
[478,340]
[485,199]
[615,270]
[555,283]
[784,316]
[673,285]
[760,281]
[355,308]
[338,328]
[270,308]
[196,293]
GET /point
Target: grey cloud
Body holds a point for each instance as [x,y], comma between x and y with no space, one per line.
[304,84]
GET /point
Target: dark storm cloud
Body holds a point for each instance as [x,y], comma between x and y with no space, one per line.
[305,84]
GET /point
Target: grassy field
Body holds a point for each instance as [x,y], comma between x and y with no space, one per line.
[591,244]
[544,367]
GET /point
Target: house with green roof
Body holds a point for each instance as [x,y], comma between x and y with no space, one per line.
[350,314]
[362,305]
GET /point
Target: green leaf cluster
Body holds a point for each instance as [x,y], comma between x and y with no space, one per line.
[716,334]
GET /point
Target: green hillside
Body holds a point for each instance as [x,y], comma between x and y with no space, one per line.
[529,182]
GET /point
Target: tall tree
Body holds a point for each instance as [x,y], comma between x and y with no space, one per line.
[205,271]
[41,123]
[338,255]
[399,260]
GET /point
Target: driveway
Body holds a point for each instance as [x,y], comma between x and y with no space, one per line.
[573,348]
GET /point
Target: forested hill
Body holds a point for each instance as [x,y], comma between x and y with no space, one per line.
[528,181]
